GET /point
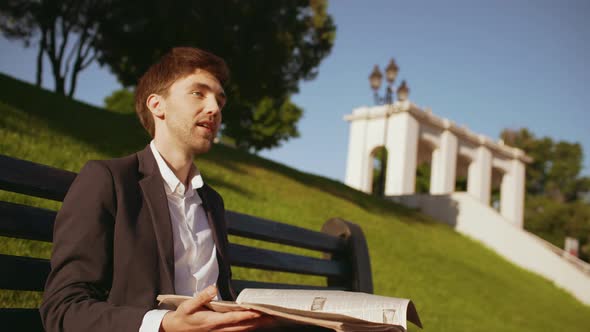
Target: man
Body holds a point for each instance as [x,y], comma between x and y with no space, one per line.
[146,224]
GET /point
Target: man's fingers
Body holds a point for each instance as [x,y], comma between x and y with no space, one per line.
[249,325]
[194,304]
[234,317]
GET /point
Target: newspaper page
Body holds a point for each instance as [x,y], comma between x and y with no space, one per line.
[366,307]
[336,322]
[337,310]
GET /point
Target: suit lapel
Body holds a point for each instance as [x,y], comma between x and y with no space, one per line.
[211,220]
[219,232]
[155,198]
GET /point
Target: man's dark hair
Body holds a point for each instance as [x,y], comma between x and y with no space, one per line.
[176,64]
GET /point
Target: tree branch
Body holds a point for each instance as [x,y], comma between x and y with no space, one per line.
[39,76]
[88,46]
[78,63]
[52,40]
[89,61]
[70,55]
[65,33]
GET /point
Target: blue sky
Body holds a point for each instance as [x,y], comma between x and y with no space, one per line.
[488,65]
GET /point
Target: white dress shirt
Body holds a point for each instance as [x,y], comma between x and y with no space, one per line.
[195,257]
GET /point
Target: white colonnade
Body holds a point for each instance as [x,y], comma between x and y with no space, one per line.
[410,134]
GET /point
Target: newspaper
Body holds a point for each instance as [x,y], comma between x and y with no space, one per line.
[337,310]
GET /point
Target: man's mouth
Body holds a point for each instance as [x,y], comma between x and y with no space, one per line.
[206,124]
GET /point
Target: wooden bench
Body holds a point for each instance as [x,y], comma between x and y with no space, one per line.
[345,265]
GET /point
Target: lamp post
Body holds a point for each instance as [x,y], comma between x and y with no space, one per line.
[402,94]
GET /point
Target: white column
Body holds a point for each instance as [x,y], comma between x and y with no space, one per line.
[402,148]
[444,165]
[357,155]
[479,178]
[512,193]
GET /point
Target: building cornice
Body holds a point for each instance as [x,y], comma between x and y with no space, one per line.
[426,116]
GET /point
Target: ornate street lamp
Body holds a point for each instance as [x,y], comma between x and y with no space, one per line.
[391,71]
[375,80]
[402,94]
[403,91]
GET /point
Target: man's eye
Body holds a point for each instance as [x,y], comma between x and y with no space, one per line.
[197,93]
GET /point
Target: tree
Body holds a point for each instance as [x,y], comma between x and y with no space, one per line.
[269,45]
[121,101]
[553,221]
[556,166]
[64,30]
[566,165]
[556,204]
[271,122]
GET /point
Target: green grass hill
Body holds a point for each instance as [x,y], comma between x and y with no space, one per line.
[456,283]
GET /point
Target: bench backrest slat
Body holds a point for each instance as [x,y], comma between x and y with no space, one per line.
[25,177]
[258,228]
[279,261]
[21,319]
[23,273]
[239,285]
[26,222]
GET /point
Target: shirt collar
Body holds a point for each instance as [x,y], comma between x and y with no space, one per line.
[171,182]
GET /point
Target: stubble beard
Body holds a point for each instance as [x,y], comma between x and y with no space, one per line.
[198,142]
[189,136]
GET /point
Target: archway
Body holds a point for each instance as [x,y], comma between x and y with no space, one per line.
[424,166]
[462,172]
[378,167]
[496,188]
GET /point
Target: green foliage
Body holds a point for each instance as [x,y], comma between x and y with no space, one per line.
[271,124]
[423,178]
[121,101]
[556,166]
[554,221]
[566,164]
[270,46]
[379,171]
[456,283]
[461,183]
[554,208]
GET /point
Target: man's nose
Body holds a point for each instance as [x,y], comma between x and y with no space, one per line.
[212,106]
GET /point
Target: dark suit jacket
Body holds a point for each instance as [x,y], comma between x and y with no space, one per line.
[113,251]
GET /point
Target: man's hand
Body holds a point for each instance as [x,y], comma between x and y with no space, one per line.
[192,316]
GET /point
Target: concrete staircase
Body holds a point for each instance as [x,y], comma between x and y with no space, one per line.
[478,221]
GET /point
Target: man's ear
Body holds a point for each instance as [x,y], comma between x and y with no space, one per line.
[155,104]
